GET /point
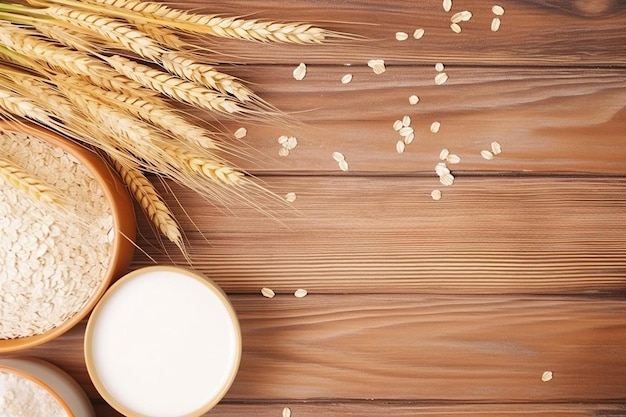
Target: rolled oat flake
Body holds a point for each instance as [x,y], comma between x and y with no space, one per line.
[51,260]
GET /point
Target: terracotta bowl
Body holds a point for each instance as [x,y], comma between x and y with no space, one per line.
[56,382]
[124,222]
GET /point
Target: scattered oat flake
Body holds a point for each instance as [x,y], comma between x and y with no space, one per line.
[447,5]
[283,139]
[290,197]
[300,72]
[283,151]
[406,131]
[455,28]
[496,148]
[463,16]
[453,159]
[547,376]
[441,169]
[439,67]
[241,133]
[291,143]
[408,139]
[406,121]
[444,154]
[495,24]
[435,126]
[300,292]
[441,78]
[497,10]
[346,78]
[488,155]
[447,179]
[343,165]
[413,100]
[400,146]
[397,125]
[338,156]
[377,65]
[419,33]
[402,36]
[267,292]
[286,412]
[436,195]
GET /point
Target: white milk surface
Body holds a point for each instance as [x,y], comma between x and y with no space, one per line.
[164,344]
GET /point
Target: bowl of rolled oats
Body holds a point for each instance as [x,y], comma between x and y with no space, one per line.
[67,230]
[34,387]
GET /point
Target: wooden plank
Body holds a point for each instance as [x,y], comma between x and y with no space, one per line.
[386,234]
[416,348]
[538,32]
[547,120]
[391,409]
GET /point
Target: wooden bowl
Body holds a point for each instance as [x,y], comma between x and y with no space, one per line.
[124,226]
[56,382]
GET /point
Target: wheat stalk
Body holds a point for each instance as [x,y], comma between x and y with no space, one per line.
[214,169]
[28,183]
[206,75]
[114,30]
[68,37]
[163,35]
[28,44]
[43,94]
[160,115]
[149,200]
[22,107]
[227,27]
[174,87]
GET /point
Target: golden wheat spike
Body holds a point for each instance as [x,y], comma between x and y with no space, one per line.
[32,185]
[186,67]
[226,27]
[29,44]
[157,112]
[114,30]
[149,200]
[174,87]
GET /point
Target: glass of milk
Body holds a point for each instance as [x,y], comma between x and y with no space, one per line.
[163,341]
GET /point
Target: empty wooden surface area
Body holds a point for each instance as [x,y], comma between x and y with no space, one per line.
[420,307]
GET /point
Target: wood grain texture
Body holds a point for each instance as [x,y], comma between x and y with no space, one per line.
[416,348]
[547,120]
[394,409]
[386,234]
[537,32]
[417,307]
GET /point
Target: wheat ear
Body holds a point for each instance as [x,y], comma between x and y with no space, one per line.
[174,87]
[30,184]
[68,37]
[29,44]
[114,30]
[206,75]
[157,112]
[23,107]
[163,35]
[132,133]
[212,168]
[43,94]
[227,27]
[149,200]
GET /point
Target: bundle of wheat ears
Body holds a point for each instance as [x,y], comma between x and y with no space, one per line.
[107,74]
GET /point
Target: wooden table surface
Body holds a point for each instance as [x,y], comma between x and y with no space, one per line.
[420,307]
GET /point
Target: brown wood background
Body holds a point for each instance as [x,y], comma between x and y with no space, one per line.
[418,307]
